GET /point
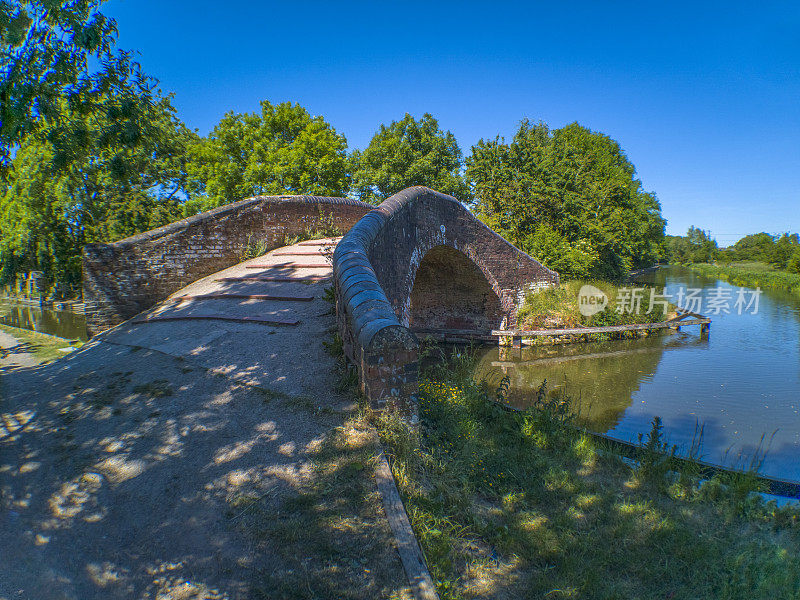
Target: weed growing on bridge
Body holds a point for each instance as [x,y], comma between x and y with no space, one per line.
[324,226]
[523,504]
[254,247]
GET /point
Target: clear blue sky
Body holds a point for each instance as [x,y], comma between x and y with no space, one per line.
[704,97]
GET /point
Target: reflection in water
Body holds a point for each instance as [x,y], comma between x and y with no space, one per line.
[61,323]
[742,382]
[600,377]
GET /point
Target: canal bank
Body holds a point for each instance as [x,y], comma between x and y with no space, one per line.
[740,384]
[13,352]
[32,316]
[513,504]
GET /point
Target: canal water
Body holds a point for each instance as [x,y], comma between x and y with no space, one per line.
[741,383]
[62,323]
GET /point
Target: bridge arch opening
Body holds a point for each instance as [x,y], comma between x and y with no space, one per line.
[451,292]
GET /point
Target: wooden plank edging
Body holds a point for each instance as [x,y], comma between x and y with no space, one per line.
[407,546]
[288,266]
[227,296]
[299,279]
[605,329]
[259,320]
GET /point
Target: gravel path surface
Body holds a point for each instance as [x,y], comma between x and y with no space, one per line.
[194,458]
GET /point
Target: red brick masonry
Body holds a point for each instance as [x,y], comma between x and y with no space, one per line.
[421,260]
[122,279]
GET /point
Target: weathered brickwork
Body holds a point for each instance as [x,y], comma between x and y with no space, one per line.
[451,293]
[122,279]
[421,260]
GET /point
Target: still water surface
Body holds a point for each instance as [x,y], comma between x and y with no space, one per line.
[62,323]
[741,382]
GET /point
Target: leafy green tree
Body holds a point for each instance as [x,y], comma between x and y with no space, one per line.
[702,248]
[47,50]
[678,250]
[281,150]
[783,250]
[793,264]
[572,183]
[755,247]
[50,208]
[406,153]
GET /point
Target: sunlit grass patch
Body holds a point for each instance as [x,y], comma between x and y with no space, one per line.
[523,504]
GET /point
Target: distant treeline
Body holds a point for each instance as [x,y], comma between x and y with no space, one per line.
[780,251]
[98,155]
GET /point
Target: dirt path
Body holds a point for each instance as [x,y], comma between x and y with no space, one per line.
[13,352]
[195,458]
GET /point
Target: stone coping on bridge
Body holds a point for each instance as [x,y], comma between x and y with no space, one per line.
[228,210]
[375,267]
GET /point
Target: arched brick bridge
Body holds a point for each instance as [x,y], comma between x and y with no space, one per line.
[124,278]
[421,263]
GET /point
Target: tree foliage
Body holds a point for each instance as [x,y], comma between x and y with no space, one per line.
[58,59]
[763,247]
[755,247]
[281,150]
[695,247]
[793,264]
[782,252]
[569,197]
[52,204]
[407,153]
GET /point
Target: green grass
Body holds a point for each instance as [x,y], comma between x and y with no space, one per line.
[45,348]
[558,307]
[751,275]
[523,505]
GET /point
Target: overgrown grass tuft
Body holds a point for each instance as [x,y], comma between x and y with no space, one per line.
[522,504]
[557,307]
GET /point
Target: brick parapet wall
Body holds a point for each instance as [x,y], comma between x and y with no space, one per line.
[122,279]
[375,266]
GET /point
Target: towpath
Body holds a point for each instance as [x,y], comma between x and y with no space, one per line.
[13,352]
[189,456]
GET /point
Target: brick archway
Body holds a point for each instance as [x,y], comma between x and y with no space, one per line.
[422,259]
[450,292]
